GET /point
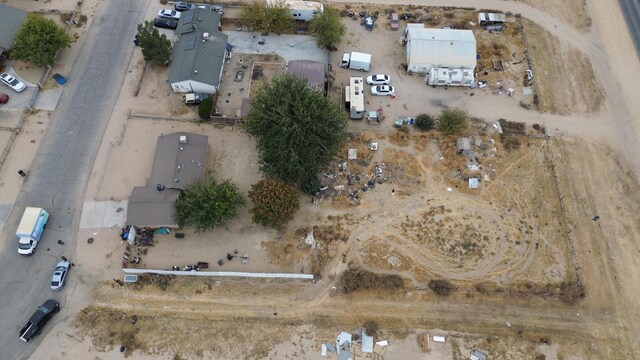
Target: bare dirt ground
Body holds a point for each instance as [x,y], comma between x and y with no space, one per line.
[515,248]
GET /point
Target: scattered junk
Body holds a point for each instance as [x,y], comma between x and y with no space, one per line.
[369,22]
[373,146]
[257,72]
[463,146]
[474,183]
[352,154]
[355,345]
[498,127]
[130,278]
[530,76]
[486,19]
[424,341]
[498,65]
[478,355]
[239,75]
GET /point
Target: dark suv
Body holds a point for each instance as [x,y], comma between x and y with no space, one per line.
[39,319]
[165,23]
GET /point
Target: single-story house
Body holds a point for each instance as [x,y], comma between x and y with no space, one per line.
[180,160]
[11,20]
[429,48]
[199,53]
[314,71]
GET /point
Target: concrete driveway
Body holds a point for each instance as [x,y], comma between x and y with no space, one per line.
[17,101]
[290,47]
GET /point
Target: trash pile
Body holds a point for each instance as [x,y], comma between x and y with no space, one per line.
[474,150]
[355,345]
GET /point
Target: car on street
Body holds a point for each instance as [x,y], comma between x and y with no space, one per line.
[382,90]
[184,6]
[378,79]
[38,320]
[4,98]
[60,275]
[165,23]
[12,82]
[169,14]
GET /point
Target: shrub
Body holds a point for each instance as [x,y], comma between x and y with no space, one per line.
[425,122]
[204,109]
[370,328]
[275,203]
[361,279]
[452,121]
[441,286]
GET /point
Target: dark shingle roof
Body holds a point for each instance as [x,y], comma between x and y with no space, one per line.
[194,56]
[10,21]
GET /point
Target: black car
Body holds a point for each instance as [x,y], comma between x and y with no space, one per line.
[165,23]
[39,319]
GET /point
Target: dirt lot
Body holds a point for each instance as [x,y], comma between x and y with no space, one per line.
[517,250]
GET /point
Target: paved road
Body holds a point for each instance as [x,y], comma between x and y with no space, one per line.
[631,11]
[60,172]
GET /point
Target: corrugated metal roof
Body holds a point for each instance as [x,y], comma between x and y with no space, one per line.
[313,71]
[441,47]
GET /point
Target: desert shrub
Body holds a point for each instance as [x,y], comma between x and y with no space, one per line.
[353,280]
[441,286]
[451,121]
[370,328]
[571,293]
[425,122]
[510,142]
[275,203]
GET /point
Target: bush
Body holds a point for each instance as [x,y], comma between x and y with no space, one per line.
[370,328]
[362,279]
[425,122]
[311,186]
[275,203]
[441,286]
[452,121]
[204,109]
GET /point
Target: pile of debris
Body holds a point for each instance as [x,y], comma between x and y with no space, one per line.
[355,345]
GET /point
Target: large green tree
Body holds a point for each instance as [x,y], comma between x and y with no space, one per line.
[207,204]
[38,41]
[297,129]
[156,48]
[328,28]
[275,203]
[452,121]
[272,17]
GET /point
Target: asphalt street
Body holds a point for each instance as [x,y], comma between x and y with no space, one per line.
[60,171]
[631,11]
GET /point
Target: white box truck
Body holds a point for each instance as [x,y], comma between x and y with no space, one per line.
[32,225]
[356,61]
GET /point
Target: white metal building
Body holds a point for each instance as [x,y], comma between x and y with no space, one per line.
[439,48]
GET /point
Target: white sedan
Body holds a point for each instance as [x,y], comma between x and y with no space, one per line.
[169,14]
[382,90]
[12,82]
[378,79]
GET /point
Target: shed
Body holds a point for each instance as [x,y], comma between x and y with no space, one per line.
[199,53]
[485,18]
[11,20]
[314,72]
[180,160]
[463,146]
[428,48]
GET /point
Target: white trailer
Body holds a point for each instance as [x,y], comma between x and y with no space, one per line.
[32,225]
[449,77]
[301,10]
[356,61]
[354,97]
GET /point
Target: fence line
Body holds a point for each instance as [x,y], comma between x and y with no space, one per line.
[222,274]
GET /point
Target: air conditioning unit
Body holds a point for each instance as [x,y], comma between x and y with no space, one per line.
[183,139]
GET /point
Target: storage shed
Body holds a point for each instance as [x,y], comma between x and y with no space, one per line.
[439,48]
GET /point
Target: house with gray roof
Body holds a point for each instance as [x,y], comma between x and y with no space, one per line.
[199,53]
[10,21]
[180,160]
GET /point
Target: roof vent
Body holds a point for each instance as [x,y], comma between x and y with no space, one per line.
[195,71]
[183,138]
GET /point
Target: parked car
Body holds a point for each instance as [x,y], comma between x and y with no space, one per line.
[4,98]
[395,21]
[12,82]
[38,320]
[60,79]
[378,79]
[59,275]
[169,14]
[382,90]
[184,6]
[165,23]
